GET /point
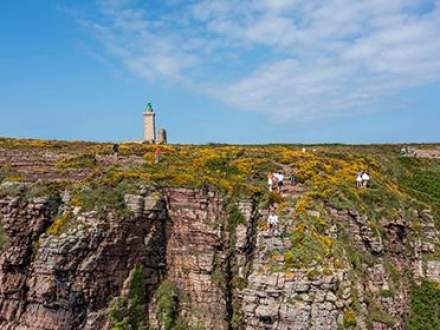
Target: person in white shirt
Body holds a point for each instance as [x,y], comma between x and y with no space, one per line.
[359,180]
[280,180]
[272,221]
[365,179]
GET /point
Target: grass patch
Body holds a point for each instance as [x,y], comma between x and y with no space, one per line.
[104,199]
[377,314]
[424,307]
[78,162]
[29,191]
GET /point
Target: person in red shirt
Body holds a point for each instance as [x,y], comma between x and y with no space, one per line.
[157,155]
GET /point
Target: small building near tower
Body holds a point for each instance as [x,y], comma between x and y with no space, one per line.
[150,127]
[162,136]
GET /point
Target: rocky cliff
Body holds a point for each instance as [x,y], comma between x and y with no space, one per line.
[97,241]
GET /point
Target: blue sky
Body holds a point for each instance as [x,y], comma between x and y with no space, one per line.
[235,71]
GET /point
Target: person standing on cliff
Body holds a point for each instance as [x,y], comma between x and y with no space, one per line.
[157,154]
[280,180]
[272,221]
[116,151]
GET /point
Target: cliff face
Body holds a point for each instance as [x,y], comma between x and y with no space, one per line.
[68,281]
[197,258]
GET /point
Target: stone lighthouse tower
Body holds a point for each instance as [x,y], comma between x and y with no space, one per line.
[149,124]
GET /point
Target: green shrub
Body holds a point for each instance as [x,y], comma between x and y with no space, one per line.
[128,313]
[235,217]
[386,293]
[221,165]
[167,304]
[424,307]
[182,324]
[340,202]
[358,257]
[42,190]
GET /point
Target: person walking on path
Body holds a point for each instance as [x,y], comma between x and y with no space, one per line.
[280,180]
[157,154]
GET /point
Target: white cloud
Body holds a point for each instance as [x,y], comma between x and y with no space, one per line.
[289,58]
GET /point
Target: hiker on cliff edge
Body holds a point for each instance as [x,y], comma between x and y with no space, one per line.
[272,221]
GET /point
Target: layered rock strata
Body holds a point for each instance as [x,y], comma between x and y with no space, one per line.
[221,269]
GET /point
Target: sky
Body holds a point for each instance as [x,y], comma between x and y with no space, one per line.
[225,71]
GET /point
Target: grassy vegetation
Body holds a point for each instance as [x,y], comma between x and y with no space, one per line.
[167,305]
[30,191]
[78,162]
[377,314]
[425,307]
[7,173]
[103,198]
[420,178]
[128,313]
[398,187]
[309,244]
[328,173]
[52,145]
